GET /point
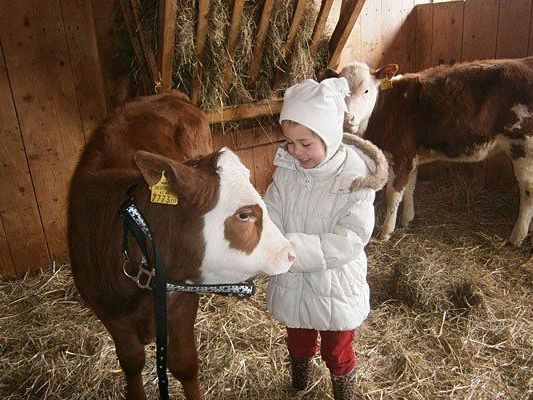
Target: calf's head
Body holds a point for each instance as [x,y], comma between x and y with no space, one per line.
[240,240]
[364,87]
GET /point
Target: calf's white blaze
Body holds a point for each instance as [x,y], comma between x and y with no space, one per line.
[364,88]
[223,264]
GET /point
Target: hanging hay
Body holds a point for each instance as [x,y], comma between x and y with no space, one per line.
[417,343]
[214,93]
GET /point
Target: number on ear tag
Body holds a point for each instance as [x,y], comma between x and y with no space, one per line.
[386,83]
[161,192]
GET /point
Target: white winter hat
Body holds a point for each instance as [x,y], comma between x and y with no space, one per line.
[319,107]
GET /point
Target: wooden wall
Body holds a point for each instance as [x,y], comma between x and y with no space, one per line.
[417,34]
[51,97]
[59,78]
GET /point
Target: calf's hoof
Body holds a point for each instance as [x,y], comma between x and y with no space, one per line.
[517,238]
[384,236]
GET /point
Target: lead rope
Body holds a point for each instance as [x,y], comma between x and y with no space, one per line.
[134,223]
[155,278]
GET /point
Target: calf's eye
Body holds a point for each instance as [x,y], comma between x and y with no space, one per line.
[244,217]
[366,91]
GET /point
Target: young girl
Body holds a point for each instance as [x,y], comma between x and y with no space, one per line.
[322,199]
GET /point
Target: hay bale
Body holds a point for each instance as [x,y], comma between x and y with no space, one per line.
[432,286]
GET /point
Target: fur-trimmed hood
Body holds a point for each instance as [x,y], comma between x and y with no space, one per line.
[378,167]
[364,165]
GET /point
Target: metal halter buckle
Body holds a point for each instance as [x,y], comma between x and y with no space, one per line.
[144,276]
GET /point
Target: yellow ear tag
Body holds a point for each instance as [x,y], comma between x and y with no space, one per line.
[385,84]
[161,192]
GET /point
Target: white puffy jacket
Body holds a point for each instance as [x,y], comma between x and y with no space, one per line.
[328,213]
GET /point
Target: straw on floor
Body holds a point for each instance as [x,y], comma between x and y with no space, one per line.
[452,318]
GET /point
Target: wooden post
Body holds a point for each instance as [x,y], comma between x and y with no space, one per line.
[254,110]
[320,24]
[167,33]
[232,41]
[287,50]
[141,46]
[201,37]
[349,13]
[260,40]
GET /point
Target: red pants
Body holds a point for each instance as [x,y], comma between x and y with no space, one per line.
[335,348]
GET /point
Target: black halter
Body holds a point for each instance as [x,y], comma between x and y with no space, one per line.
[151,274]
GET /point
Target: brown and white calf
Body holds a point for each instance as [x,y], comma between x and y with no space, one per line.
[463,113]
[219,232]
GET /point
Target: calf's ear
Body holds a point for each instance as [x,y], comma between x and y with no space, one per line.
[327,73]
[182,178]
[387,71]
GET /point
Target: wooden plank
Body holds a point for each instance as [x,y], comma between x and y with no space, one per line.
[106,17]
[167,34]
[371,48]
[320,24]
[410,50]
[254,110]
[7,269]
[513,28]
[201,37]
[423,37]
[22,239]
[257,136]
[85,62]
[247,158]
[447,33]
[287,49]
[397,34]
[222,140]
[349,14]
[232,40]
[141,45]
[353,48]
[260,40]
[36,55]
[480,29]
[263,165]
[530,47]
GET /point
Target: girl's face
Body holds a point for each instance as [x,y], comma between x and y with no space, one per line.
[303,144]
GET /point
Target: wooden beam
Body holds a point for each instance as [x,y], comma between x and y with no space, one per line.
[201,37]
[232,41]
[141,46]
[287,50]
[320,24]
[349,13]
[260,40]
[167,34]
[254,110]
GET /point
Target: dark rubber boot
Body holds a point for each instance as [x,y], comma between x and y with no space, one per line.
[301,373]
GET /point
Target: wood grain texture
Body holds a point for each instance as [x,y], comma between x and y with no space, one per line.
[201,37]
[260,40]
[44,94]
[22,240]
[514,24]
[349,13]
[480,29]
[166,39]
[233,35]
[447,33]
[85,62]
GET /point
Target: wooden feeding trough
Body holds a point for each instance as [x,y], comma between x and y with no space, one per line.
[156,69]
